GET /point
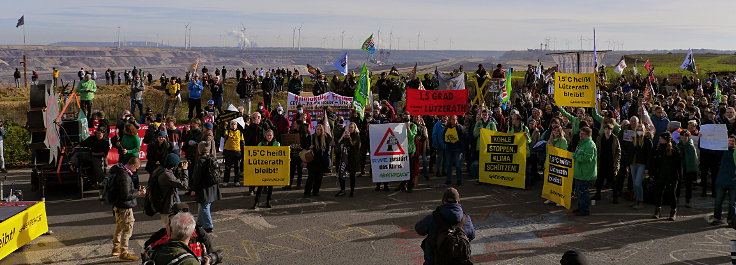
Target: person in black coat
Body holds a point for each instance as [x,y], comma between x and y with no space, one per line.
[123,202]
[157,151]
[452,214]
[665,167]
[350,142]
[320,146]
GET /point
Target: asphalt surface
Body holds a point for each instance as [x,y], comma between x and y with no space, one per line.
[513,226]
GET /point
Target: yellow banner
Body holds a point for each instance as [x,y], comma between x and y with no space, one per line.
[558,174]
[23,227]
[266,166]
[502,159]
[575,90]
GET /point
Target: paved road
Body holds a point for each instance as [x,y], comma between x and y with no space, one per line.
[513,227]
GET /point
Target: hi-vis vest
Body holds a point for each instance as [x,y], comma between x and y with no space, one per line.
[451,135]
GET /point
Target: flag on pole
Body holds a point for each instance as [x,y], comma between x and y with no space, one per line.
[21,21]
[342,64]
[650,71]
[413,72]
[360,99]
[313,71]
[506,90]
[717,99]
[689,62]
[369,45]
[595,53]
[620,66]
[539,69]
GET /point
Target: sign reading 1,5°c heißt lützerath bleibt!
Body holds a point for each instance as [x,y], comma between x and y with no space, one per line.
[266,166]
[575,90]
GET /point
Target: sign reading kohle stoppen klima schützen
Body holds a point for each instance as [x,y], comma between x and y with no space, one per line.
[266,166]
[389,152]
[575,90]
[502,158]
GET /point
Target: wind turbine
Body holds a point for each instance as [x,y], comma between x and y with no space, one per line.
[242,36]
[299,39]
[186,34]
[342,40]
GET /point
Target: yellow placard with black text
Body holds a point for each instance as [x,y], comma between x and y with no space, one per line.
[502,158]
[558,176]
[575,90]
[266,166]
[23,227]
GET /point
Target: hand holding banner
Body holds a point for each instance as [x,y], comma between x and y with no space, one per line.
[502,159]
[266,166]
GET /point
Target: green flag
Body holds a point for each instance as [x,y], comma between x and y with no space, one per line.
[360,99]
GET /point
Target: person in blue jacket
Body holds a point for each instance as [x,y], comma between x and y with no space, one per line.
[438,143]
[452,212]
[195,96]
[726,183]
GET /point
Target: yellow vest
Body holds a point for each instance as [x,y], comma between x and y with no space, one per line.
[232,140]
[172,89]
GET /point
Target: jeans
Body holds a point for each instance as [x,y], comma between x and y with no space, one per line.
[452,158]
[720,197]
[637,173]
[139,103]
[246,103]
[17,83]
[194,103]
[2,154]
[581,188]
[395,104]
[440,165]
[173,104]
[218,102]
[205,218]
[86,106]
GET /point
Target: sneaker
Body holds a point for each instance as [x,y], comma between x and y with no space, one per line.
[547,202]
[237,184]
[115,251]
[128,257]
[340,193]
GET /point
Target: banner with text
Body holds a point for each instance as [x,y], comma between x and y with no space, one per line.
[315,106]
[22,227]
[575,90]
[502,159]
[558,176]
[436,102]
[389,152]
[266,166]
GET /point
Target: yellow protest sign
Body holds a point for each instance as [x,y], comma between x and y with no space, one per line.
[266,166]
[502,159]
[22,227]
[575,90]
[558,174]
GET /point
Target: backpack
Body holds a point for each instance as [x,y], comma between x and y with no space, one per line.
[211,170]
[153,201]
[452,244]
[109,191]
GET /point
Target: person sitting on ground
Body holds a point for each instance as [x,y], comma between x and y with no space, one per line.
[449,214]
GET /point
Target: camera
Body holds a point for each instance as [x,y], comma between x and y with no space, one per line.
[214,256]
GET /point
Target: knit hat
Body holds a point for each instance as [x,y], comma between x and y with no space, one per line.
[161,134]
[208,125]
[171,160]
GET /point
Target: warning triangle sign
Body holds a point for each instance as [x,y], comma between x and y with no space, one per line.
[389,145]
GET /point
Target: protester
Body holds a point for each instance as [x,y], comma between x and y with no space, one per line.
[172,175]
[200,243]
[205,188]
[453,142]
[321,150]
[449,214]
[299,129]
[268,85]
[16,77]
[726,183]
[268,141]
[123,204]
[87,89]
[245,90]
[609,161]
[689,166]
[438,143]
[173,97]
[641,154]
[176,250]
[157,151]
[217,89]
[195,97]
[234,141]
[585,160]
[350,142]
[665,168]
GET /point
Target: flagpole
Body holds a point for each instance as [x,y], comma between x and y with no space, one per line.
[25,63]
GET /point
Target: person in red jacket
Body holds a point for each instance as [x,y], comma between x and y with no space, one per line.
[281,122]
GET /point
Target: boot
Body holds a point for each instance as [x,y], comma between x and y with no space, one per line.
[673,214]
[268,204]
[255,205]
[657,213]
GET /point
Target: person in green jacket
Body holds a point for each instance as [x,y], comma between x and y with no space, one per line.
[517,126]
[86,90]
[557,137]
[689,165]
[485,122]
[411,132]
[269,141]
[574,120]
[176,250]
[606,120]
[585,162]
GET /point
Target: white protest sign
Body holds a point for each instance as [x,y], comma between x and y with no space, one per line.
[714,137]
[389,152]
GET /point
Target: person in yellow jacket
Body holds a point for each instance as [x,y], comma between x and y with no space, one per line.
[56,76]
[173,96]
[234,141]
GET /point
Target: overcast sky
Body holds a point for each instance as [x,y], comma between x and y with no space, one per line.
[460,24]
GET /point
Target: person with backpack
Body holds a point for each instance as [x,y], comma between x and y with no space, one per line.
[172,175]
[268,141]
[119,192]
[206,178]
[448,232]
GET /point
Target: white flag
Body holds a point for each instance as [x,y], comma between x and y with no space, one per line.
[620,66]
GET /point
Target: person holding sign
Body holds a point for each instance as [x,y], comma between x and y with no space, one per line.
[574,120]
[585,159]
[268,141]
[666,171]
[320,146]
[350,142]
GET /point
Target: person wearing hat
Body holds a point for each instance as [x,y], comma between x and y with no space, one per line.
[200,243]
[172,176]
[665,168]
[451,214]
[205,189]
[157,150]
[280,120]
[211,110]
[263,110]
[123,205]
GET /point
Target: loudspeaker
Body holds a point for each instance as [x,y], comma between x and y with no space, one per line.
[37,119]
[39,95]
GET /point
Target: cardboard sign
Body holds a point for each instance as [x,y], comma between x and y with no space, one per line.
[575,90]
[389,149]
[714,137]
[558,176]
[266,166]
[436,102]
[227,116]
[628,135]
[502,159]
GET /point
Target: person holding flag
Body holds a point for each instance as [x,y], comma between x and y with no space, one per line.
[360,99]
